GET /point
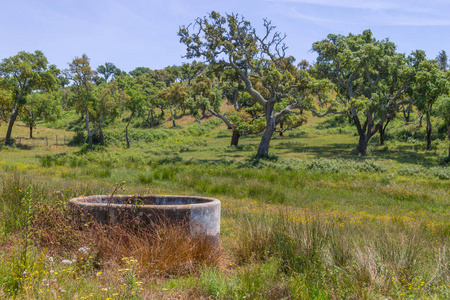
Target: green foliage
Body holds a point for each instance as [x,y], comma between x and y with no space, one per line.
[256,64]
[6,102]
[22,74]
[41,105]
[431,83]
[443,109]
[145,178]
[117,136]
[201,129]
[79,139]
[18,199]
[370,78]
[85,148]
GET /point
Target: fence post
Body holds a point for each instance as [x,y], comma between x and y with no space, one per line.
[46,139]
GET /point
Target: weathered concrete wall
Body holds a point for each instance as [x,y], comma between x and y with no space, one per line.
[201,214]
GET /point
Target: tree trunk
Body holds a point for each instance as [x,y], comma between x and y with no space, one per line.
[31,131]
[126,136]
[362,145]
[383,131]
[428,131]
[281,128]
[263,149]
[172,112]
[126,131]
[406,112]
[90,141]
[448,131]
[88,129]
[150,118]
[235,137]
[15,112]
[381,136]
[101,136]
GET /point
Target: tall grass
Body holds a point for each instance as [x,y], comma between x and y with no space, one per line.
[37,230]
[343,260]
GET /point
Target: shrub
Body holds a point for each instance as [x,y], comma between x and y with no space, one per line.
[78,139]
[145,178]
[85,149]
[200,129]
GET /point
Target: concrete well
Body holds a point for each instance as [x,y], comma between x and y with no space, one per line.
[200,214]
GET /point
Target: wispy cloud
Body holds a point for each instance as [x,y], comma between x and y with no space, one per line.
[294,13]
[377,12]
[372,5]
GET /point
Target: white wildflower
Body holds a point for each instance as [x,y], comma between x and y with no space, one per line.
[84,249]
[67,261]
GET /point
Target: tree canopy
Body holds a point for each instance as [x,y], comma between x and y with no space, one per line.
[259,60]
[22,74]
[370,79]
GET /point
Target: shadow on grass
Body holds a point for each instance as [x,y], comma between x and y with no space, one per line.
[336,150]
[401,153]
[406,154]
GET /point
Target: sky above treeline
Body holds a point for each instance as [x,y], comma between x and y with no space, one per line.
[143,33]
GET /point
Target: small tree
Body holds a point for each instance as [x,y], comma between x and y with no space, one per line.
[106,105]
[442,60]
[370,79]
[6,103]
[24,73]
[40,105]
[203,97]
[82,76]
[109,72]
[150,88]
[135,102]
[175,97]
[430,84]
[443,110]
[189,71]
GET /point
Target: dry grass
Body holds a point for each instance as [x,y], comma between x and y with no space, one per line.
[160,248]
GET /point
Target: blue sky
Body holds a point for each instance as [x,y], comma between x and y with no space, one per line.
[135,33]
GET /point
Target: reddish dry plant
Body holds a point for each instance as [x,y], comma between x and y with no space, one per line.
[160,248]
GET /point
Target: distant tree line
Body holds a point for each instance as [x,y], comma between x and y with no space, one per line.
[355,75]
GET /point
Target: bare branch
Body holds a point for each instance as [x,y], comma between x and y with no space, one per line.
[331,111]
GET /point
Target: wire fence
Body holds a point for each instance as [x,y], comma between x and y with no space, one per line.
[47,141]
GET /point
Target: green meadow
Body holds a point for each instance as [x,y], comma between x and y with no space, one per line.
[313,220]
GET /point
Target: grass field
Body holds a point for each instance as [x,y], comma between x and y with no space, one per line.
[312,221]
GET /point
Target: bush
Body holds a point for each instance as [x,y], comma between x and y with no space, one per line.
[48,161]
[117,136]
[145,178]
[85,149]
[78,140]
[200,129]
